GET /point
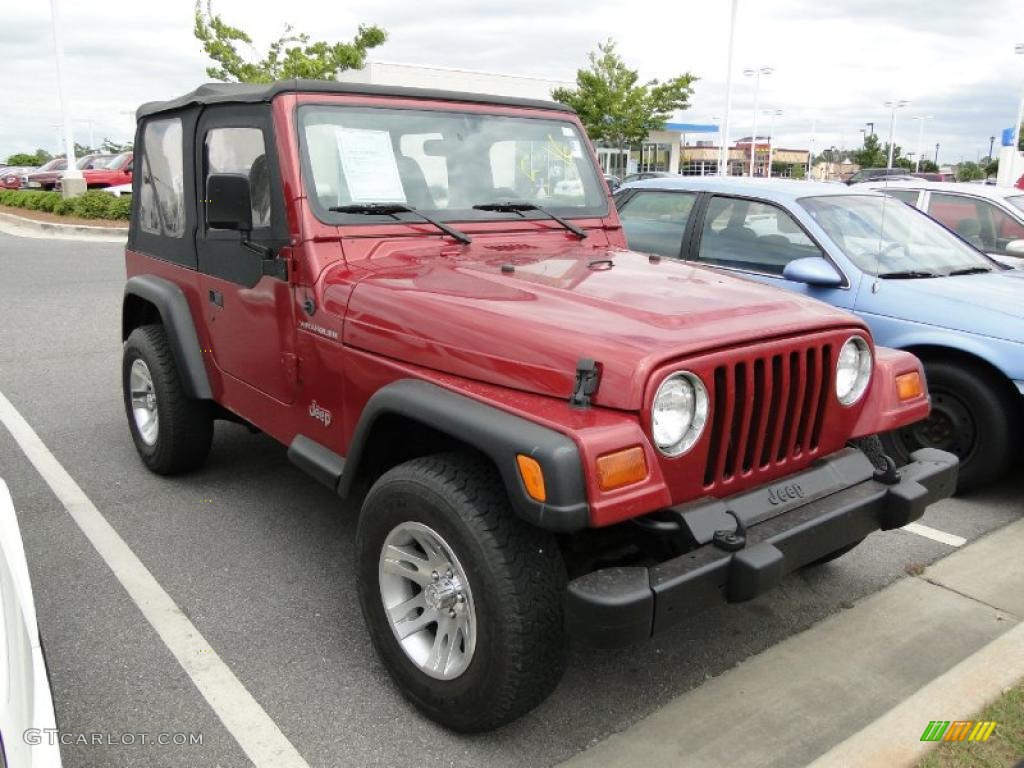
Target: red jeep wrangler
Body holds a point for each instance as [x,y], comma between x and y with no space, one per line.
[427,297]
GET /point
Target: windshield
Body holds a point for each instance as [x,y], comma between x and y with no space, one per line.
[883,236]
[1016,202]
[444,163]
[92,162]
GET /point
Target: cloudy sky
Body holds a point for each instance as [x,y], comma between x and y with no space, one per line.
[835,61]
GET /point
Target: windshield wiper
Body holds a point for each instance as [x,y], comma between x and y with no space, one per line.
[514,207]
[969,271]
[907,274]
[390,209]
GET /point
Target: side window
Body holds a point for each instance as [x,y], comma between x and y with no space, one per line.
[162,193]
[960,214]
[906,195]
[998,227]
[745,234]
[241,150]
[656,221]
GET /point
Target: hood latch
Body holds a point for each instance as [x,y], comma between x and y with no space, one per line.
[588,376]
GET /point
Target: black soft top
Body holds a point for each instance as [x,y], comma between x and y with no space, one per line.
[254,93]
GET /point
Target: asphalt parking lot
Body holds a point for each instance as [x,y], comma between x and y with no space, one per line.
[258,557]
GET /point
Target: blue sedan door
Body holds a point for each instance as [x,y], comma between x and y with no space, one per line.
[759,239]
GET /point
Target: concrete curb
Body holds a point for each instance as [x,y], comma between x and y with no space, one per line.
[24,227]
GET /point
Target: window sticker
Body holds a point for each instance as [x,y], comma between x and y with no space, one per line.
[369,164]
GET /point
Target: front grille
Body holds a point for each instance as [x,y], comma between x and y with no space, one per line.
[767,410]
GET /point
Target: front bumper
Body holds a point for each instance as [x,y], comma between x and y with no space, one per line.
[746,544]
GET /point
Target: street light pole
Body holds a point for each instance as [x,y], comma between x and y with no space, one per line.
[920,142]
[723,150]
[936,154]
[72,181]
[772,114]
[894,105]
[757,87]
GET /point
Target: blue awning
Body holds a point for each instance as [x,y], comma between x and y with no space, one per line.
[691,127]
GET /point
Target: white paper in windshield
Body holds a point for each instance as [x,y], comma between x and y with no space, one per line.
[369,164]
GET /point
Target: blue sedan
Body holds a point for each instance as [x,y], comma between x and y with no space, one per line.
[918,286]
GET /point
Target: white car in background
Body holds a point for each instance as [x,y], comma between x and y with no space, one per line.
[118,191]
[989,218]
[26,703]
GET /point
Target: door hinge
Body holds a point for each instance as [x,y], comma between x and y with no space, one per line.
[290,362]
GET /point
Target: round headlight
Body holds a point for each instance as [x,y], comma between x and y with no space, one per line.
[679,413]
[853,370]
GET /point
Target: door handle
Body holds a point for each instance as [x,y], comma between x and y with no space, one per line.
[216,297]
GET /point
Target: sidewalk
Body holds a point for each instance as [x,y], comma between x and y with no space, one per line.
[937,646]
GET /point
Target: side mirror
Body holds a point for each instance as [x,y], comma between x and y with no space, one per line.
[1015,248]
[228,202]
[813,270]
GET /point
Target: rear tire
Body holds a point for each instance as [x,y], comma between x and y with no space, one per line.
[172,432]
[511,650]
[973,416]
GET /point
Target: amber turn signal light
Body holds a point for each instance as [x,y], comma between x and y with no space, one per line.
[615,470]
[533,477]
[909,385]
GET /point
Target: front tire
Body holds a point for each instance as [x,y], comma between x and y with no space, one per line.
[972,416]
[171,431]
[462,599]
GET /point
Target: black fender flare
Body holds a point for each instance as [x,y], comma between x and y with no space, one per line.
[495,433]
[174,311]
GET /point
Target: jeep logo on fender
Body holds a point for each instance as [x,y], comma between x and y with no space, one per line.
[322,414]
[780,494]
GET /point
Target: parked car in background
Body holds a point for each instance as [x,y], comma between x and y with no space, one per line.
[26,702]
[989,218]
[643,175]
[934,176]
[10,177]
[872,174]
[116,171]
[917,285]
[118,191]
[1020,183]
[46,177]
[613,181]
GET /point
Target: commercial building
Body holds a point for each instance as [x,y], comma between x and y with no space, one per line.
[701,159]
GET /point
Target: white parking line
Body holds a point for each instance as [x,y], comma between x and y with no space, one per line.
[257,735]
[935,534]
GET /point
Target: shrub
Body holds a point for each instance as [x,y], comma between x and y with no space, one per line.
[94,205]
[122,207]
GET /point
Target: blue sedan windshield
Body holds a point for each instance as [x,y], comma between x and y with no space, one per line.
[888,238]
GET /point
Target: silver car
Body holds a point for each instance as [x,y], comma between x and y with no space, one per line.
[989,218]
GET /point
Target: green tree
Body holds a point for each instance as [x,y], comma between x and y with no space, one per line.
[969,171]
[116,147]
[871,155]
[992,169]
[798,171]
[614,106]
[927,166]
[25,158]
[291,55]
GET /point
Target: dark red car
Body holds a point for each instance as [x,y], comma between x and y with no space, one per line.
[10,177]
[428,298]
[1020,183]
[46,178]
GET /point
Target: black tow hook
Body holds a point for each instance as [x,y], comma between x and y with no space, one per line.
[890,475]
[731,541]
